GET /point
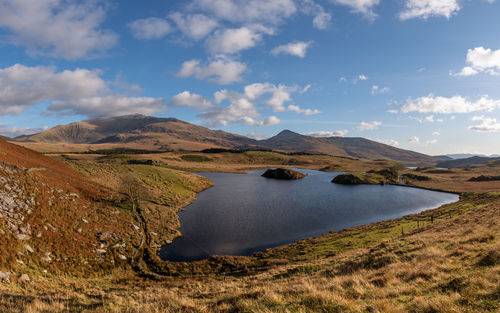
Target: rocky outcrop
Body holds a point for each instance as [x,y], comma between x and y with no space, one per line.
[283,173]
[485,178]
[347,179]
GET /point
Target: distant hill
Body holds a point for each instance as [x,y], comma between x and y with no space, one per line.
[463,163]
[154,133]
[355,147]
[467,155]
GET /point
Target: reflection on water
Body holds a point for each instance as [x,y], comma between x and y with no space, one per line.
[245,213]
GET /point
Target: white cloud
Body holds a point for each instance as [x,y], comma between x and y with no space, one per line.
[66,29]
[243,107]
[306,88]
[430,118]
[443,105]
[233,40]
[429,8]
[186,99]
[13,132]
[369,125]
[380,90]
[111,105]
[322,20]
[249,11]
[431,142]
[220,71]
[364,7]
[466,71]
[481,60]
[488,125]
[414,139]
[436,133]
[393,111]
[195,26]
[280,95]
[358,78]
[325,133]
[390,142]
[297,109]
[80,91]
[150,28]
[297,48]
[257,136]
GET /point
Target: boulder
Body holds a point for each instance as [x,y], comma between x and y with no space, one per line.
[283,173]
[347,179]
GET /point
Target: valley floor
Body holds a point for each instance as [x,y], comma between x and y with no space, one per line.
[441,260]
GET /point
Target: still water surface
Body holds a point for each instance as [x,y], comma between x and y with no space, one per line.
[245,213]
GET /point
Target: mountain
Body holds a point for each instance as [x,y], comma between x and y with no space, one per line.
[152,133]
[350,146]
[462,163]
[469,155]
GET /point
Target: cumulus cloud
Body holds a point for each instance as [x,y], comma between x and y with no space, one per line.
[248,11]
[429,8]
[221,70]
[244,107]
[369,125]
[390,142]
[186,99]
[297,48]
[358,78]
[257,136]
[194,26]
[233,40]
[380,90]
[414,139]
[66,29]
[443,105]
[326,133]
[364,7]
[488,124]
[150,28]
[481,60]
[321,18]
[79,91]
[297,109]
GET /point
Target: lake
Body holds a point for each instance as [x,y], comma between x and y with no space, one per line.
[245,213]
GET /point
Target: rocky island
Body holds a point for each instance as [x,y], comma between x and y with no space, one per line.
[283,173]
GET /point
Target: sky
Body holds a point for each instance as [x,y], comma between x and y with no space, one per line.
[422,75]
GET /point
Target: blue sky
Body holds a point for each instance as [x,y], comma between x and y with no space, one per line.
[417,74]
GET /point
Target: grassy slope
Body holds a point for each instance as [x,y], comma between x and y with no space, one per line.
[445,260]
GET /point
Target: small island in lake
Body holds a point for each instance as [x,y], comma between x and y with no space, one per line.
[283,173]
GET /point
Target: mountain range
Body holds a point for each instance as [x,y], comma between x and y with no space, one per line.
[154,133]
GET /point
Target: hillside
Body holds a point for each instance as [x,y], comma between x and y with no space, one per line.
[151,133]
[355,147]
[463,163]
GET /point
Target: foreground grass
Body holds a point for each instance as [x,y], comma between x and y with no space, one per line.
[449,265]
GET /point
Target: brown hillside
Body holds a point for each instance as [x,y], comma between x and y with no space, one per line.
[355,147]
[151,133]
